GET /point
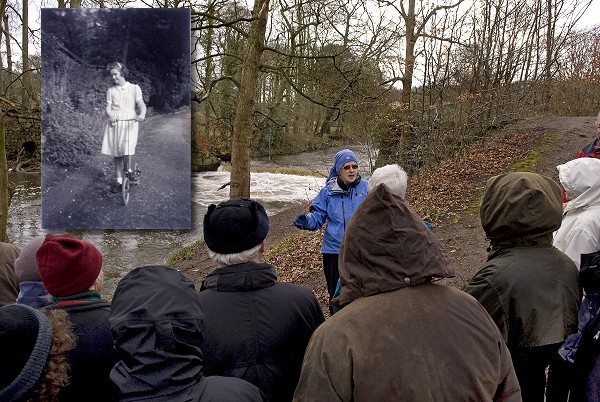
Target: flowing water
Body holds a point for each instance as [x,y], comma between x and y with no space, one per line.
[125,250]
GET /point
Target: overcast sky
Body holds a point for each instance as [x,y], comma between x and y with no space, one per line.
[591,17]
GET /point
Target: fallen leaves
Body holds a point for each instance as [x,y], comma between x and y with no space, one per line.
[454,186]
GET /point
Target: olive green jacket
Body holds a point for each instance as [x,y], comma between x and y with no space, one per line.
[529,287]
[531,293]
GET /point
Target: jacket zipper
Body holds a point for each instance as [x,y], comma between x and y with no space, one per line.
[344,215]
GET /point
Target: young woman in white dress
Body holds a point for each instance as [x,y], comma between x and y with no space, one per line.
[121,133]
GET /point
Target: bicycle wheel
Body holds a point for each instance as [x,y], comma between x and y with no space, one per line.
[125,190]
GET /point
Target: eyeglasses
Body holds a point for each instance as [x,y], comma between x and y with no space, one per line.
[347,167]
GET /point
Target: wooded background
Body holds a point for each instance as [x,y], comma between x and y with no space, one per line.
[416,80]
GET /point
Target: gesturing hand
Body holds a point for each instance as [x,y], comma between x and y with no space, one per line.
[301,221]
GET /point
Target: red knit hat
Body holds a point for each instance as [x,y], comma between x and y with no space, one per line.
[67,265]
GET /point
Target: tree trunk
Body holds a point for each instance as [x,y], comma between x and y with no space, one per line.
[7,40]
[243,124]
[392,150]
[549,53]
[4,186]
[26,85]
[2,13]
[75,3]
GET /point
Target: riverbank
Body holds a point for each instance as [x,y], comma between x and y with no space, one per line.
[448,194]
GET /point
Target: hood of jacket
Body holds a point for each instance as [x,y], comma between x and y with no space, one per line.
[387,246]
[521,207]
[156,322]
[581,180]
[33,294]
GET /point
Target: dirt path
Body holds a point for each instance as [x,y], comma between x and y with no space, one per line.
[81,199]
[562,138]
[544,143]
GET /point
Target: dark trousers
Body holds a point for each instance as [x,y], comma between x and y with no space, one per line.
[530,367]
[330,268]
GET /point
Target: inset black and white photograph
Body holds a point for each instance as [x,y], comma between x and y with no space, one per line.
[116,119]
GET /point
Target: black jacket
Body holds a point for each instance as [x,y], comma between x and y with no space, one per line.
[94,354]
[257,328]
[156,322]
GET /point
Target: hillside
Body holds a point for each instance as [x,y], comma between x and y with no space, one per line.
[448,194]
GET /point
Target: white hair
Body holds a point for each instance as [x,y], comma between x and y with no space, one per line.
[392,176]
[224,260]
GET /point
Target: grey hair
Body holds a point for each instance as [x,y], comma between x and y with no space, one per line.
[392,176]
[223,260]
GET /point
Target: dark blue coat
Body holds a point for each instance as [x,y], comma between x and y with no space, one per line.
[94,355]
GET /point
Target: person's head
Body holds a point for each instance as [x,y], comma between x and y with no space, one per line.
[156,321]
[25,265]
[68,265]
[581,180]
[31,289]
[521,208]
[345,166]
[118,72]
[387,247]
[392,176]
[235,230]
[34,347]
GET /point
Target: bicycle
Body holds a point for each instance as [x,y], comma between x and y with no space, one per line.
[130,177]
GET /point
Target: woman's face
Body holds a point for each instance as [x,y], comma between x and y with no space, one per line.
[349,172]
[115,75]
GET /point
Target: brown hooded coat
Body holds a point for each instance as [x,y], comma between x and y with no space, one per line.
[9,282]
[401,337]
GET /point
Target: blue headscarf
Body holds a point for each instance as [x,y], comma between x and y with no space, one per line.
[340,159]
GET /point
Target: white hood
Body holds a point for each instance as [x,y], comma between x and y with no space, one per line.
[581,180]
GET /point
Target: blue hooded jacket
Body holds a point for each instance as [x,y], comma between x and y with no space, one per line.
[337,206]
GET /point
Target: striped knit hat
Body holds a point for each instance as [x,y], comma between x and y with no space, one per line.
[25,339]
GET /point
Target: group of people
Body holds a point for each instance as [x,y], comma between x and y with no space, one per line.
[242,337]
[522,329]
[539,287]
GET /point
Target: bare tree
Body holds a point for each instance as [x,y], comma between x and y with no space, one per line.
[243,124]
[415,27]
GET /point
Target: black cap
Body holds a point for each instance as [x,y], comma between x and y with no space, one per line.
[235,225]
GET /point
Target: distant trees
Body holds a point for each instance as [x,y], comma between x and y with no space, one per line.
[417,80]
[19,94]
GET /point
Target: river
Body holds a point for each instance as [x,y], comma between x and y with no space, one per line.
[125,250]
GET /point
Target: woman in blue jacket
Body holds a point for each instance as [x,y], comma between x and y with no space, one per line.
[336,202]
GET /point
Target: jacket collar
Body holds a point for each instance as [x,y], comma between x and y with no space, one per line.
[241,278]
[337,185]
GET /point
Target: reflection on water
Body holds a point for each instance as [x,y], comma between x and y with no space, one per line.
[125,250]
